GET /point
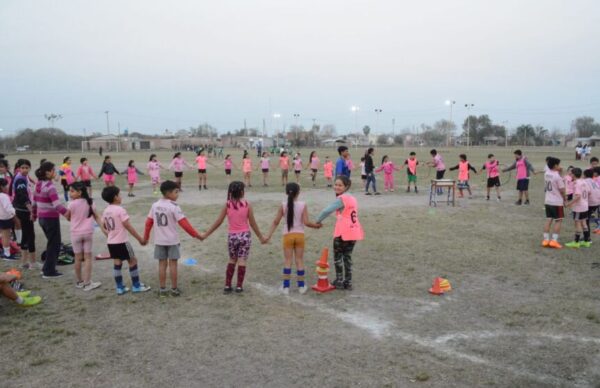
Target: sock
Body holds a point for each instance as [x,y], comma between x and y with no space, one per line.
[7,251]
[19,300]
[229,274]
[300,275]
[19,235]
[546,236]
[117,274]
[554,236]
[577,237]
[586,235]
[241,274]
[135,275]
[287,273]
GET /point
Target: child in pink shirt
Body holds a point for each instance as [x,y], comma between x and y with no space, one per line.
[178,164]
[493,175]
[153,168]
[265,163]
[579,206]
[240,217]
[284,165]
[328,171]
[313,163]
[554,201]
[201,161]
[132,176]
[247,168]
[117,225]
[165,215]
[82,214]
[388,169]
[569,184]
[85,173]
[228,164]
[297,166]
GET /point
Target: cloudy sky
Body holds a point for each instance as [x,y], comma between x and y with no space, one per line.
[173,64]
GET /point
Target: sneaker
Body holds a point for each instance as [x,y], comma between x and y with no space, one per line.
[302,290]
[585,244]
[122,290]
[545,243]
[239,290]
[348,286]
[554,244]
[23,294]
[227,290]
[91,286]
[518,202]
[368,193]
[9,258]
[31,301]
[378,193]
[416,191]
[526,202]
[200,188]
[141,288]
[163,293]
[487,198]
[26,266]
[206,188]
[175,292]
[79,285]
[52,276]
[572,244]
[285,290]
[339,284]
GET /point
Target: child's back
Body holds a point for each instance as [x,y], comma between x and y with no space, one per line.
[237,216]
[298,225]
[113,217]
[166,215]
[81,221]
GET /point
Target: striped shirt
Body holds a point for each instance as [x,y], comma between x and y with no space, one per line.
[46,203]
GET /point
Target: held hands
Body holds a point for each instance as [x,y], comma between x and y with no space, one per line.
[264,240]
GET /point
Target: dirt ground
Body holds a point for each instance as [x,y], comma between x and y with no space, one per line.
[518,315]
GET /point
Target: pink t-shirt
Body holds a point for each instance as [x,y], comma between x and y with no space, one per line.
[581,188]
[81,224]
[113,217]
[297,164]
[594,198]
[298,226]
[264,163]
[438,163]
[228,163]
[237,216]
[284,162]
[153,169]
[314,163]
[554,183]
[247,165]
[328,169]
[85,172]
[201,162]
[131,175]
[492,169]
[569,184]
[177,164]
[166,214]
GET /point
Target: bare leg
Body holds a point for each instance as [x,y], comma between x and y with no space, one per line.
[173,272]
[87,268]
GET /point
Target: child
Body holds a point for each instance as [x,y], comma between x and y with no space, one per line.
[596,179]
[284,165]
[388,169]
[132,176]
[85,174]
[165,214]
[440,168]
[411,171]
[153,168]
[109,170]
[313,163]
[493,176]
[297,166]
[228,163]
[594,198]
[67,177]
[296,216]
[23,204]
[201,161]
[117,225]
[247,168]
[346,232]
[363,174]
[264,165]
[555,199]
[21,298]
[569,184]
[47,208]
[82,214]
[240,217]
[523,169]
[463,168]
[579,205]
[328,171]
[177,165]
[370,171]
[7,220]
[341,165]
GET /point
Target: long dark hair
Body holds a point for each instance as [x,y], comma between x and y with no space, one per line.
[235,193]
[130,163]
[105,159]
[152,156]
[311,156]
[383,159]
[292,190]
[46,167]
[245,154]
[81,189]
[177,154]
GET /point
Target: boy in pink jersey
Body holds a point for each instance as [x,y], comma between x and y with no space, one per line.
[524,168]
[411,171]
[463,168]
[440,168]
[554,200]
[85,173]
[165,215]
[492,167]
[117,225]
[328,171]
[569,185]
[579,206]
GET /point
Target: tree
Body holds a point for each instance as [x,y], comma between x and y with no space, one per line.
[525,135]
[366,130]
[585,126]
[384,139]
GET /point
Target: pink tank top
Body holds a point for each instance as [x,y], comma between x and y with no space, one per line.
[237,216]
[228,163]
[412,166]
[314,163]
[298,226]
[463,171]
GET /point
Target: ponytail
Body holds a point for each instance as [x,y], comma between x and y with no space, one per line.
[291,189]
[40,173]
[80,187]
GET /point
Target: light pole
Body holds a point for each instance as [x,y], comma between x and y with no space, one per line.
[469,106]
[355,110]
[450,103]
[296,117]
[275,117]
[377,112]
[107,123]
[52,117]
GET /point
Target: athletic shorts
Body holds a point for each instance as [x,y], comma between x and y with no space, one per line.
[314,170]
[178,174]
[239,245]
[592,210]
[121,251]
[265,170]
[493,182]
[87,183]
[523,185]
[201,171]
[580,216]
[7,224]
[284,173]
[440,174]
[363,177]
[155,179]
[164,252]
[228,171]
[109,178]
[555,212]
[82,243]
[297,172]
[462,185]
[293,240]
[412,178]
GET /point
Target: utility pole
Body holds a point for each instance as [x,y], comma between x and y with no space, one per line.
[469,106]
[107,123]
[118,135]
[377,112]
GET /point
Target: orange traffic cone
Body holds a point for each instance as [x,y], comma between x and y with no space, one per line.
[435,288]
[323,284]
[445,285]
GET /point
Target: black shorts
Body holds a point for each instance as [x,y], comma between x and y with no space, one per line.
[87,183]
[493,182]
[265,170]
[121,251]
[179,174]
[592,210]
[555,212]
[203,171]
[7,224]
[297,172]
[314,170]
[363,177]
[523,185]
[228,171]
[569,197]
[580,216]
[440,174]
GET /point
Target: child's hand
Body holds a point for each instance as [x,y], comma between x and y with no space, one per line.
[264,240]
[143,242]
[200,237]
[319,225]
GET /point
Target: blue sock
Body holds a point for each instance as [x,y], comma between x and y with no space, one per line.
[135,275]
[118,276]
[300,275]
[287,274]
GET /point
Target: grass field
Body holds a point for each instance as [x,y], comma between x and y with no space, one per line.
[519,315]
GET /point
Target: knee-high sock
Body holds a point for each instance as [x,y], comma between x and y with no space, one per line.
[287,273]
[118,275]
[300,275]
[240,275]
[229,274]
[135,275]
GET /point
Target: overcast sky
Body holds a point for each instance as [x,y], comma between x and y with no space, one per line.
[174,64]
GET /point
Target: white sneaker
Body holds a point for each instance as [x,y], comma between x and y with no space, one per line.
[91,286]
[79,285]
[285,290]
[303,290]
